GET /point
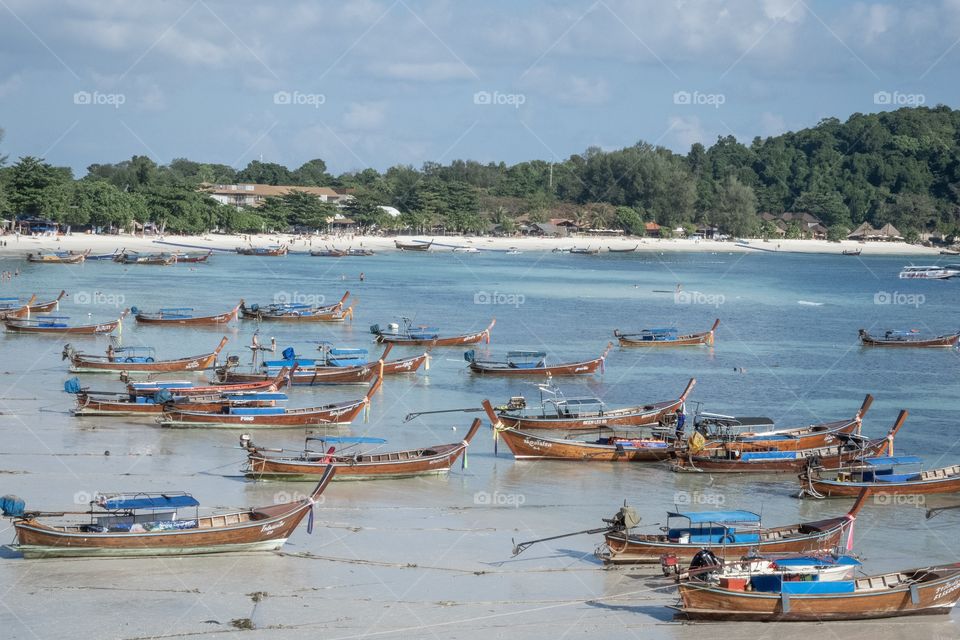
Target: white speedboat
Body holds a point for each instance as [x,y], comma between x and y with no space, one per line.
[933,272]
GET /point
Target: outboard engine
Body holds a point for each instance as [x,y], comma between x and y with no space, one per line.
[625,518]
[705,558]
[72,385]
[12,506]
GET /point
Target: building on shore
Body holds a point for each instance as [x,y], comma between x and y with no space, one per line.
[254,195]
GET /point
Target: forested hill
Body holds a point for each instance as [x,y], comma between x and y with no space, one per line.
[900,166]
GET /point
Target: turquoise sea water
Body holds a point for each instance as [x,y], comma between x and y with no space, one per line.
[786,348]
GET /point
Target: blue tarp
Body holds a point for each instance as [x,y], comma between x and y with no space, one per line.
[702,517]
[347,440]
[149,502]
[892,460]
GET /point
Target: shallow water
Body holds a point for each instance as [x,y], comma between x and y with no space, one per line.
[431,557]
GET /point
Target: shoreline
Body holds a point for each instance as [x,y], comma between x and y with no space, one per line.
[109,243]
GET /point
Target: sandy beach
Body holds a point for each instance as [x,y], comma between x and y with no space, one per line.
[99,244]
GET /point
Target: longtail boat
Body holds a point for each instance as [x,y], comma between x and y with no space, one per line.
[329,253]
[354,464]
[533,363]
[730,458]
[667,337]
[630,250]
[713,431]
[895,338]
[291,311]
[341,359]
[137,359]
[161,259]
[626,448]
[184,315]
[57,325]
[331,415]
[149,524]
[410,335]
[272,251]
[189,388]
[332,375]
[94,403]
[885,476]
[413,246]
[584,251]
[926,591]
[50,305]
[573,414]
[852,252]
[356,253]
[193,258]
[13,308]
[727,534]
[58,257]
[105,256]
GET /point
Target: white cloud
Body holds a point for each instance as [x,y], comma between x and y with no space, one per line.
[771,124]
[365,115]
[424,71]
[686,131]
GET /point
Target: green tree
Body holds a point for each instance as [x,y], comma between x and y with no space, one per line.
[29,180]
[312,173]
[736,209]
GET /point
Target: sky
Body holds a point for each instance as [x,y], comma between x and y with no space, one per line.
[368,83]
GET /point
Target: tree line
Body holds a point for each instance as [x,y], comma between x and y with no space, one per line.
[900,167]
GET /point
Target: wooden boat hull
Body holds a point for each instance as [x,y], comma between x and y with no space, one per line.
[269,253]
[220,318]
[92,329]
[688,340]
[572,369]
[813,437]
[263,385]
[75,259]
[334,315]
[622,548]
[829,456]
[939,342]
[404,365]
[935,594]
[331,416]
[450,341]
[527,446]
[46,307]
[404,246]
[837,489]
[336,375]
[411,463]
[87,406]
[85,364]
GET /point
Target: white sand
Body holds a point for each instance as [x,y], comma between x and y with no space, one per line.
[109,243]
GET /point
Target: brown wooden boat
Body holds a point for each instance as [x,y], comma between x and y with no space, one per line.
[529,446]
[293,312]
[17,310]
[424,461]
[331,415]
[886,477]
[193,258]
[59,257]
[361,374]
[46,307]
[908,339]
[132,359]
[533,363]
[55,325]
[785,439]
[927,591]
[580,414]
[184,316]
[427,336]
[119,529]
[666,337]
[275,251]
[186,388]
[730,458]
[92,403]
[720,532]
[413,246]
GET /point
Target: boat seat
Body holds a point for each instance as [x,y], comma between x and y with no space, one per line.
[898,477]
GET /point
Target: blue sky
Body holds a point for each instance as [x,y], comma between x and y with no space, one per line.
[371,83]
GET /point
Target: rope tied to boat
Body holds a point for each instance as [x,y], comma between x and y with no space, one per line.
[851,519]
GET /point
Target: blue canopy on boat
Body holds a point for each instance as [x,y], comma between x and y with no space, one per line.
[660,330]
[889,461]
[150,501]
[526,354]
[802,561]
[702,517]
[175,309]
[347,440]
